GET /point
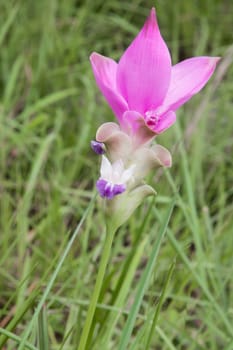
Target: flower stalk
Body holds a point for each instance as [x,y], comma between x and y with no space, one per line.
[109,236]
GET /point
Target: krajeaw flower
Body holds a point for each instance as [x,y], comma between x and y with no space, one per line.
[144,90]
[113,178]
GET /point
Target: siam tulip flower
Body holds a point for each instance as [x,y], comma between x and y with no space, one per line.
[113,178]
[144,90]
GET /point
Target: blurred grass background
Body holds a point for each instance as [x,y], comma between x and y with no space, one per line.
[50,109]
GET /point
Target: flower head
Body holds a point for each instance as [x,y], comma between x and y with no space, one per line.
[144,90]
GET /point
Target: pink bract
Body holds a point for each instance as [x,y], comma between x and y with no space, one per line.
[144,88]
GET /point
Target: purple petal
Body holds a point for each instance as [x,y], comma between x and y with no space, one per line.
[188,78]
[144,70]
[108,190]
[104,70]
[98,147]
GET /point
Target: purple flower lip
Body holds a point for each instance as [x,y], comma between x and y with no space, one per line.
[109,190]
[98,147]
[113,178]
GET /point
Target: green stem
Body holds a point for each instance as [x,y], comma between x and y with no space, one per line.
[110,232]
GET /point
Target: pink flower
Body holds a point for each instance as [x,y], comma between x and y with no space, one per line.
[144,90]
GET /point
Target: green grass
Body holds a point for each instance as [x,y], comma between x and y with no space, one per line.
[163,290]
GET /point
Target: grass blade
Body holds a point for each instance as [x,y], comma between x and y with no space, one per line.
[54,276]
[202,285]
[18,316]
[161,299]
[5,28]
[43,340]
[9,335]
[47,101]
[144,281]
